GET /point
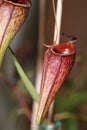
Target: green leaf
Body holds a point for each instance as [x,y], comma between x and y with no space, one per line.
[29,86]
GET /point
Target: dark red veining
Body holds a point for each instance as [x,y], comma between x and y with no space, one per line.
[12,9]
[58,62]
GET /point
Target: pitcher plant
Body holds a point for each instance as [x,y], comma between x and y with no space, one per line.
[12,15]
[58,61]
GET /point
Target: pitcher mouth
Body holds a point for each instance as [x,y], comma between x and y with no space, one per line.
[24,3]
[63,49]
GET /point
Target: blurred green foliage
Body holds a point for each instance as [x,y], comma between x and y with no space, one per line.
[71,100]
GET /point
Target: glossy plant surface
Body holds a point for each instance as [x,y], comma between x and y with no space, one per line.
[58,61]
[12,15]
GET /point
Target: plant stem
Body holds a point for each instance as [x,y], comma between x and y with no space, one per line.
[66,115]
[42,4]
[58,18]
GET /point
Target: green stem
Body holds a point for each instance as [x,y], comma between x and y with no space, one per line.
[29,86]
[67,115]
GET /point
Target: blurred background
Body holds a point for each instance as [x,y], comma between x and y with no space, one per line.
[28,47]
